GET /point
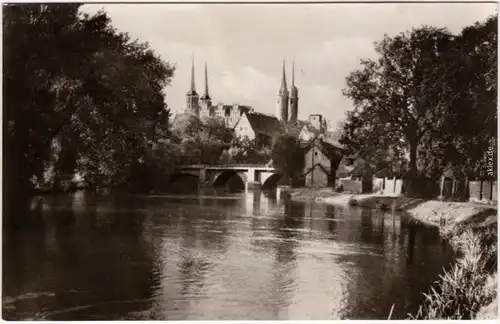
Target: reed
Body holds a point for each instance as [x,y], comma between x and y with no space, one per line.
[460,293]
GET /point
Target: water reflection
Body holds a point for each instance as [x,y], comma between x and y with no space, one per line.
[214,256]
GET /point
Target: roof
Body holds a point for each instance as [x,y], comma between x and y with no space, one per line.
[344,171]
[330,150]
[334,143]
[265,124]
[242,109]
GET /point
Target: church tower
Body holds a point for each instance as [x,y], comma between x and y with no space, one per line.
[205,100]
[294,97]
[282,101]
[192,106]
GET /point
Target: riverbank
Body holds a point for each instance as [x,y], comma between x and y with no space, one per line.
[471,228]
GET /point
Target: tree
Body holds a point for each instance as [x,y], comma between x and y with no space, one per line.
[244,150]
[72,79]
[288,156]
[200,141]
[403,96]
[432,94]
[474,122]
[461,144]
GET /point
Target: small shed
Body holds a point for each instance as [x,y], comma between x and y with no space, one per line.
[354,175]
[321,162]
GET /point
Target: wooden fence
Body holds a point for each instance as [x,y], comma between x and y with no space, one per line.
[445,189]
[481,190]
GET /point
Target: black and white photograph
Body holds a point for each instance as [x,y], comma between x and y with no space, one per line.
[264,160]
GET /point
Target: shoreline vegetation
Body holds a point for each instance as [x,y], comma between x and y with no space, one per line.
[469,289]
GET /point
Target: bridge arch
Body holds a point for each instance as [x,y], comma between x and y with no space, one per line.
[272,181]
[223,178]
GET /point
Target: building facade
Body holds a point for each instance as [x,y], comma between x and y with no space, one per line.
[321,160]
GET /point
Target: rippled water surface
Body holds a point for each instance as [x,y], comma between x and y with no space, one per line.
[239,256]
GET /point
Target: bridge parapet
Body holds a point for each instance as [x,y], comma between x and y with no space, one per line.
[252,175]
[242,167]
[228,166]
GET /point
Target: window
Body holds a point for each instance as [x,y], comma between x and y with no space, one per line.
[315,153]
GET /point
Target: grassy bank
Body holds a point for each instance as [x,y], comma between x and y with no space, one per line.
[469,289]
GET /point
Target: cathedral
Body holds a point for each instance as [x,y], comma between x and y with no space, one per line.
[286,106]
[203,107]
[246,122]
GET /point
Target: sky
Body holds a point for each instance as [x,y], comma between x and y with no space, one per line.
[244,45]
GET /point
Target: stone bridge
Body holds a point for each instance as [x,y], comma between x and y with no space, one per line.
[253,176]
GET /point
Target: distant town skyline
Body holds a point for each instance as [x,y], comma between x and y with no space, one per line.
[244,45]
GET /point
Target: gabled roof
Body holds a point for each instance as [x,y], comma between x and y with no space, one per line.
[265,124]
[330,150]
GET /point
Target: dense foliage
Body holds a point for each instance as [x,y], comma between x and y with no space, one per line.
[79,96]
[430,94]
[244,150]
[288,156]
[199,141]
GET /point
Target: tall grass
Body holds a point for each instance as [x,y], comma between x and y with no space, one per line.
[460,292]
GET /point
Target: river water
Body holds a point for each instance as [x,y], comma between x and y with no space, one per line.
[213,257]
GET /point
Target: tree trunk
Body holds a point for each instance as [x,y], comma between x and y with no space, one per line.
[413,159]
[413,167]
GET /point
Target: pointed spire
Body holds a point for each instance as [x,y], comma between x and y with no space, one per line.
[283,88]
[193,86]
[293,89]
[206,95]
